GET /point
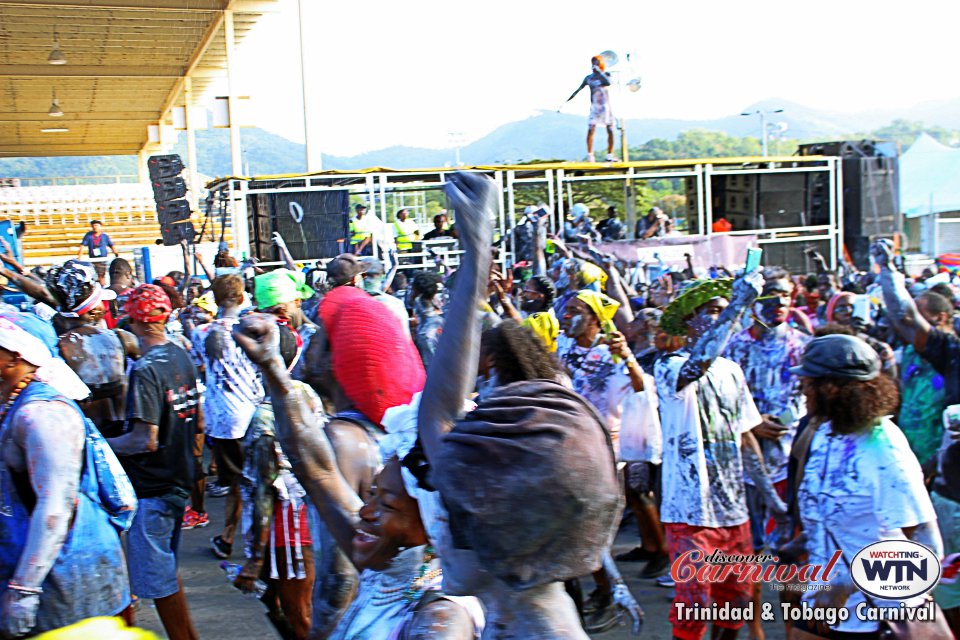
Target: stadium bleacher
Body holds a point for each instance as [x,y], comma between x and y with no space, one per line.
[57,217]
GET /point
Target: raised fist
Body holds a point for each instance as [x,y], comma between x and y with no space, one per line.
[882,252]
[258,336]
[474,197]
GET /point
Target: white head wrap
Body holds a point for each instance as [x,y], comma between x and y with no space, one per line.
[51,368]
[400,423]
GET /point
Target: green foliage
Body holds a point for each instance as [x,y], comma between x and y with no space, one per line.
[905,133]
[696,144]
[67,166]
[266,154]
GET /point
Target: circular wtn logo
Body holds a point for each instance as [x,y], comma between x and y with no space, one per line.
[895,569]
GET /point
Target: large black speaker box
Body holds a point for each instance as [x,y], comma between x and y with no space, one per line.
[871,193]
[760,201]
[314,224]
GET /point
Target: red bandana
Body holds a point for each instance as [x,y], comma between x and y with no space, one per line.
[145,301]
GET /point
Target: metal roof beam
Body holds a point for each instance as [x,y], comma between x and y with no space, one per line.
[189,6]
[198,54]
[102,116]
[78,71]
[55,148]
[186,6]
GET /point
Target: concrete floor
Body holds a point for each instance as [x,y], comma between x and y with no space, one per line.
[220,612]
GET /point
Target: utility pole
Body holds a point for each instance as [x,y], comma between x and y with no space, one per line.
[763,125]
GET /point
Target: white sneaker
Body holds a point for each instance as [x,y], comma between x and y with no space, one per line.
[590,157]
[611,157]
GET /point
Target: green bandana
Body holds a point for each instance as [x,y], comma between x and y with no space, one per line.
[280,286]
[691,298]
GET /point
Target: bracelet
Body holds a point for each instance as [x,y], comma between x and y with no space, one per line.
[13,586]
[632,359]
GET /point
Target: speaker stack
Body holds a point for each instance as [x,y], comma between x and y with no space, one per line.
[314,224]
[871,193]
[169,189]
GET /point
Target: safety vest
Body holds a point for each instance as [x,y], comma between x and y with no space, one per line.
[404,232]
[360,229]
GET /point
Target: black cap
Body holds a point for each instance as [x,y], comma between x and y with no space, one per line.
[360,206]
[344,268]
[838,356]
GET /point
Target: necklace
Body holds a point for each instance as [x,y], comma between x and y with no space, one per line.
[17,390]
[388,599]
[414,588]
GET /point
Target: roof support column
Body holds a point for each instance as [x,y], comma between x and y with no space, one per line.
[143,174]
[236,155]
[194,184]
[314,160]
[241,229]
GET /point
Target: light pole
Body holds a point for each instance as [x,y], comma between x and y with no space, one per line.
[763,125]
[457,138]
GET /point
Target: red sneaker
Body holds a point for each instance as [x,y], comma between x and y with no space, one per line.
[194,520]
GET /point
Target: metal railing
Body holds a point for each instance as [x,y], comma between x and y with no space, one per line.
[75,180]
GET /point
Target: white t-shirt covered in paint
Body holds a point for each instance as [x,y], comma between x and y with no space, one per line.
[863,488]
[595,376]
[702,426]
[233,385]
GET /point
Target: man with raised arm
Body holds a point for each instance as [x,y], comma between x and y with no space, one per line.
[707,415]
[510,552]
[942,350]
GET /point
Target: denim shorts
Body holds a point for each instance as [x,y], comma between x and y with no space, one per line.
[152,544]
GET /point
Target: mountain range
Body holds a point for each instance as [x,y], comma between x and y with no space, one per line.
[552,135]
[546,135]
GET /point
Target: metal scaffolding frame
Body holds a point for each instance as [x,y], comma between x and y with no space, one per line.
[381,186]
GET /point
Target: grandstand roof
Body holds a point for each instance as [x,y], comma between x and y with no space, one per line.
[126,64]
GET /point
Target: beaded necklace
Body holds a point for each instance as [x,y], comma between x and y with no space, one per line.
[411,591]
[389,598]
[17,390]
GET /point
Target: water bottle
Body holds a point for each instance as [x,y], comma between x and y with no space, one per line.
[233,570]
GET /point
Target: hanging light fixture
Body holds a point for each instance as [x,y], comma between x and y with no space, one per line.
[55,110]
[56,55]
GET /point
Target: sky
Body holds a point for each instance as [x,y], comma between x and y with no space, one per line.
[415,72]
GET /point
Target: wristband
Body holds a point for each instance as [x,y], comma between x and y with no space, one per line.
[35,591]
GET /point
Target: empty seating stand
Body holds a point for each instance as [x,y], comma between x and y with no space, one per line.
[57,217]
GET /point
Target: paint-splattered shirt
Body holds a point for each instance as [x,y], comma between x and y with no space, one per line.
[595,376]
[702,425]
[233,385]
[862,488]
[922,401]
[766,363]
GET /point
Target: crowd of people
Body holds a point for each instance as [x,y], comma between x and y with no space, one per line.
[450,452]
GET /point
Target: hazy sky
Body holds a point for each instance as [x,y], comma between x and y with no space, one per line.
[412,72]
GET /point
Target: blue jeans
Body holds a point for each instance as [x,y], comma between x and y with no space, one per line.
[152,545]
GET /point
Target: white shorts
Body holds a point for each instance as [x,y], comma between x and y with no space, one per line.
[601,115]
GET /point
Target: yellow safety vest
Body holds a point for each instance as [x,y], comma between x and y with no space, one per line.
[360,229]
[405,232]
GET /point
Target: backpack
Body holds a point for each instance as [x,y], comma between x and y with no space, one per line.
[102,479]
[105,482]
